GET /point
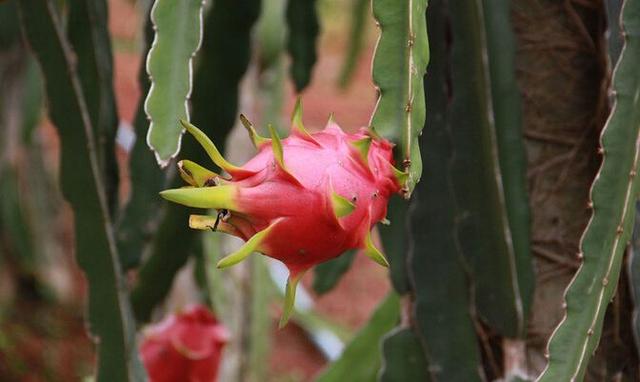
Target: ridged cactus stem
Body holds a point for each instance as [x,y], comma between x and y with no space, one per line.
[178,27]
[109,315]
[613,196]
[399,65]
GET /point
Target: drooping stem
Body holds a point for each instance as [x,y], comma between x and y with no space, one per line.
[613,196]
[399,65]
[109,313]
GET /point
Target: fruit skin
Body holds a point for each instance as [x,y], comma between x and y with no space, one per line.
[185,346]
[302,200]
[306,229]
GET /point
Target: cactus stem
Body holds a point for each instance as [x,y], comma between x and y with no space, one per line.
[401,176]
[373,133]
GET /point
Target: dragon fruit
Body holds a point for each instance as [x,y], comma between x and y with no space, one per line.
[185,346]
[302,200]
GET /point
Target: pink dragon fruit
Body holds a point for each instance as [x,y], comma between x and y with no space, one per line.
[303,200]
[185,346]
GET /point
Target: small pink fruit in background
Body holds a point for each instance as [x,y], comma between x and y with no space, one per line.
[184,347]
[302,200]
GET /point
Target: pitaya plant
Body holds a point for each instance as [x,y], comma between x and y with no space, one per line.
[302,200]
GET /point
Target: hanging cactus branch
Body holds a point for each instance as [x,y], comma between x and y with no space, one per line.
[178,26]
[302,36]
[613,197]
[399,65]
[488,170]
[109,315]
[438,275]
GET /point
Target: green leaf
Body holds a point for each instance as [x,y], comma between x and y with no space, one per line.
[403,358]
[178,27]
[491,201]
[437,270]
[109,315]
[360,360]
[357,34]
[327,275]
[88,34]
[399,65]
[224,58]
[614,193]
[302,21]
